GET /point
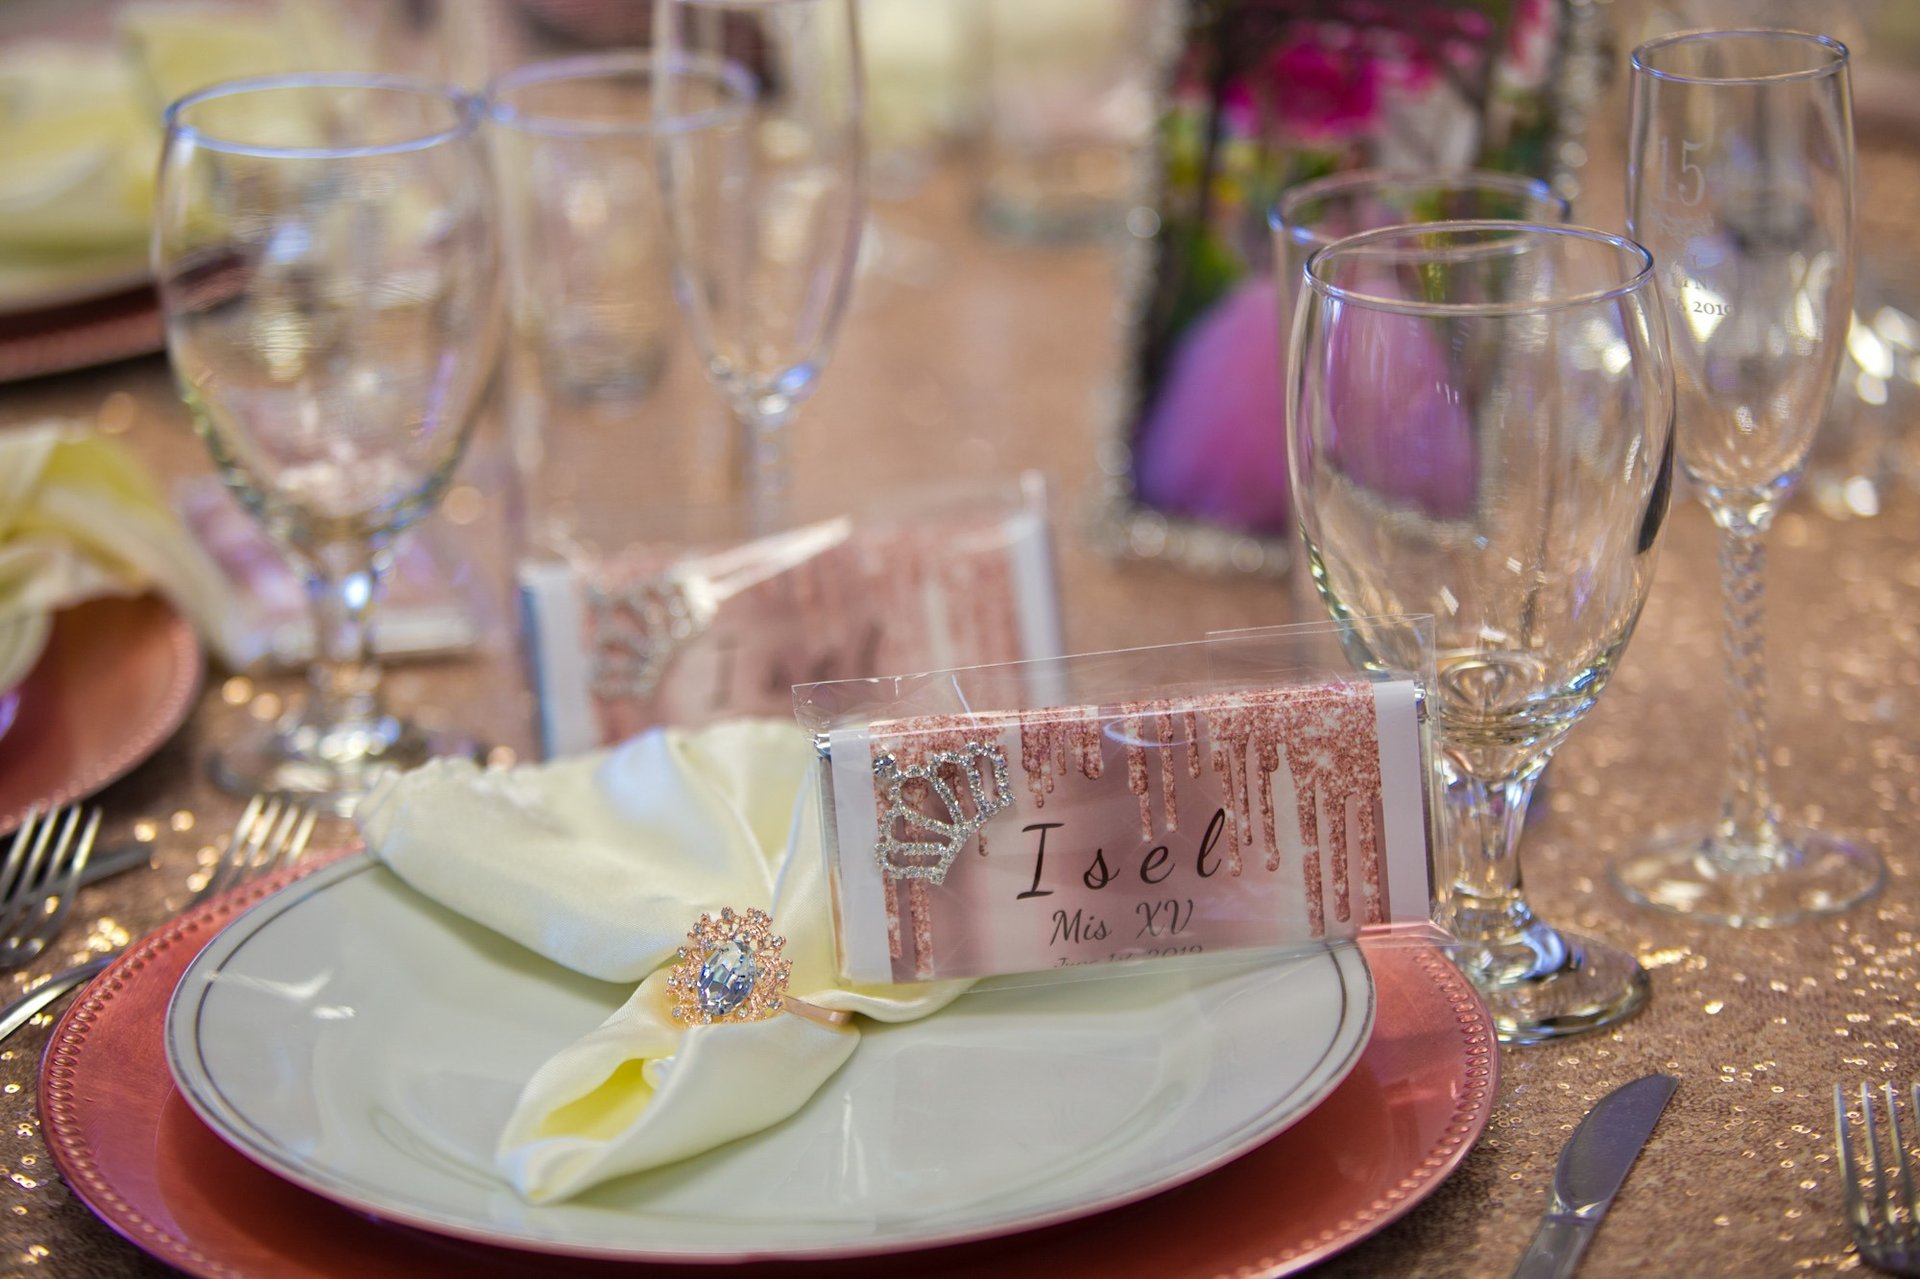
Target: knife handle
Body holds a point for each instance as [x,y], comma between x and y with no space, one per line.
[1556,1248]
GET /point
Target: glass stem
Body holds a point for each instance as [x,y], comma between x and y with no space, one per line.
[1748,835]
[343,584]
[769,467]
[1486,815]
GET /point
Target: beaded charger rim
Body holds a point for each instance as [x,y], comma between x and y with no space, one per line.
[768,972]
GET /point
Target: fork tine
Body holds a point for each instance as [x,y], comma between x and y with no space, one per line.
[242,846]
[29,883]
[292,849]
[68,887]
[1902,1177]
[1877,1166]
[16,854]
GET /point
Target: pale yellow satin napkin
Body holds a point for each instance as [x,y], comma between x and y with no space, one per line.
[80,518]
[602,863]
[76,170]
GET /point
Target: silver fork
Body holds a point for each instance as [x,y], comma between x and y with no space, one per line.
[39,879]
[1879,1182]
[271,833]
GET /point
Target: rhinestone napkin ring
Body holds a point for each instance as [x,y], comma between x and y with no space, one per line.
[731,969]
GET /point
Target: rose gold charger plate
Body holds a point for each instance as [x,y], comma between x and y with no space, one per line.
[117,678]
[131,1148]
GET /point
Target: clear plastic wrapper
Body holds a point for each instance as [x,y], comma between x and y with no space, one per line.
[1251,794]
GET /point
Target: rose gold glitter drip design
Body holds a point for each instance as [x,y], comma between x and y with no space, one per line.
[1137,776]
[1333,753]
[1054,740]
[1369,815]
[1170,797]
[1267,752]
[923,966]
[894,943]
[1327,735]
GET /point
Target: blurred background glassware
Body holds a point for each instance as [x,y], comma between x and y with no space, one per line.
[588,267]
[1311,215]
[1065,104]
[1480,428]
[608,445]
[1741,181]
[326,256]
[1865,451]
[765,215]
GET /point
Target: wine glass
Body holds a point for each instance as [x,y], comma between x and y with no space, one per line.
[1741,183]
[1479,428]
[765,215]
[1311,215]
[325,252]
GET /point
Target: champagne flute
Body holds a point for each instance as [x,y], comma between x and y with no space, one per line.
[325,253]
[1741,183]
[765,215]
[1480,428]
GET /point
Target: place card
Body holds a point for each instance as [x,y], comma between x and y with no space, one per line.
[691,639]
[991,843]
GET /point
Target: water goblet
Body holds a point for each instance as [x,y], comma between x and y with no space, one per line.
[765,215]
[1310,215]
[324,248]
[1740,181]
[1480,429]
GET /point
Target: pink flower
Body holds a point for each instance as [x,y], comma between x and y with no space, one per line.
[1324,84]
[1530,42]
[1214,444]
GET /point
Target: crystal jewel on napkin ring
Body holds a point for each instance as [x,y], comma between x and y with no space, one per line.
[731,969]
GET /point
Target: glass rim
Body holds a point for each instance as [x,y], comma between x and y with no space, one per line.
[1355,179]
[1641,279]
[467,108]
[588,66]
[1837,60]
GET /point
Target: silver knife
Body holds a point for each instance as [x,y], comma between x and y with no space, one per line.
[1590,1173]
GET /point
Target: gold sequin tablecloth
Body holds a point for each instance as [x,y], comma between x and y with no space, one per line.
[992,364]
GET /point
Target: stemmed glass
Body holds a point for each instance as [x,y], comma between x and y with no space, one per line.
[1311,215]
[325,252]
[1741,183]
[765,216]
[1479,428]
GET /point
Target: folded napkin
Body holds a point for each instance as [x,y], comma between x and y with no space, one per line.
[76,174]
[80,518]
[602,863]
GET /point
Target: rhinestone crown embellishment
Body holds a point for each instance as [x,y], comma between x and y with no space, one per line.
[917,845]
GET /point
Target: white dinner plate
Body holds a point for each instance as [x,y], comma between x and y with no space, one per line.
[26,287]
[367,1044]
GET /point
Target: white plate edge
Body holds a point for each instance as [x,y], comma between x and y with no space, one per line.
[1350,1039]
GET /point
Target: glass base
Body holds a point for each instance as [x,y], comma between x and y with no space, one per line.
[331,771]
[1809,875]
[1551,984]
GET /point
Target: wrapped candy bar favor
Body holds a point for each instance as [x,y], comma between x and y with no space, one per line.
[959,578]
[1243,799]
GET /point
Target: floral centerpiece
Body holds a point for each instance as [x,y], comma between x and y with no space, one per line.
[1260,95]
